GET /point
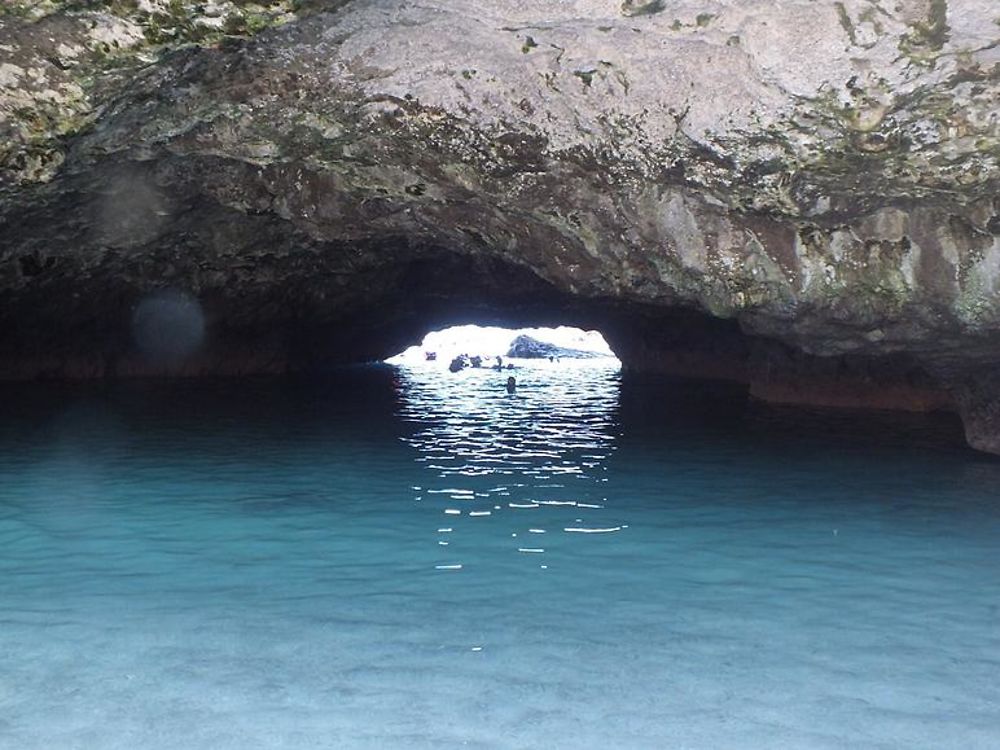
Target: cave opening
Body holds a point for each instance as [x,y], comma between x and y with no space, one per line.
[474,345]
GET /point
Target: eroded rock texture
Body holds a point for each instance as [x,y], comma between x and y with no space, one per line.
[800,195]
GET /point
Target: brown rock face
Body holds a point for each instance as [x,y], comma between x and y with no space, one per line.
[800,196]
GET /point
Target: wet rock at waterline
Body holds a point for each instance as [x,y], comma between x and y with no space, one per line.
[801,196]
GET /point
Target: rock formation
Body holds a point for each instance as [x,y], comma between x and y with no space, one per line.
[526,347]
[800,195]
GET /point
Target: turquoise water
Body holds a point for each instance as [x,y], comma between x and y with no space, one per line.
[276,565]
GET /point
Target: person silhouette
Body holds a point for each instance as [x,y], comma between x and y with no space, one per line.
[511,384]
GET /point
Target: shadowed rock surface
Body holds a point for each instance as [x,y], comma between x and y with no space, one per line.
[800,196]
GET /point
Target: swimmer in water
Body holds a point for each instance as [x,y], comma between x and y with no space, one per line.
[511,384]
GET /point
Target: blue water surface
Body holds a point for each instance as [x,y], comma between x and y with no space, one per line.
[407,558]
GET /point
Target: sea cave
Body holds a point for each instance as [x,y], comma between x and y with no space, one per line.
[231,518]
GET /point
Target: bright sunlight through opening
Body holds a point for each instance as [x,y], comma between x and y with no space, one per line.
[489,346]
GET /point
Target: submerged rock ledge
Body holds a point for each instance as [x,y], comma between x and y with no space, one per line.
[801,196]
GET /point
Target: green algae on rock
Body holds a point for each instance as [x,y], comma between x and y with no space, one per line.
[61,60]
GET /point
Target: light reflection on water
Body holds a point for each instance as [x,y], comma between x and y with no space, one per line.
[529,464]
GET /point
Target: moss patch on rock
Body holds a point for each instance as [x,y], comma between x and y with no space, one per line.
[61,59]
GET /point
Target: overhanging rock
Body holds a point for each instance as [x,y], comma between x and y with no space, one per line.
[326,181]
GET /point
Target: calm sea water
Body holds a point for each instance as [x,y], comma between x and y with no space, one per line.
[398,558]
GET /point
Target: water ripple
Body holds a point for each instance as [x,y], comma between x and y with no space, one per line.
[561,423]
